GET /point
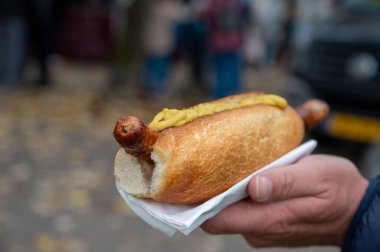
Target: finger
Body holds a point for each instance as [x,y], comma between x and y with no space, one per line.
[261,220]
[286,183]
[240,217]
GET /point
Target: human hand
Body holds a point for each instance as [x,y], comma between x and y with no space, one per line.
[308,203]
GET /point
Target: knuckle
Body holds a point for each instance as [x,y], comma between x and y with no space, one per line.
[286,184]
[211,228]
[255,242]
[324,186]
[331,172]
[278,221]
[281,222]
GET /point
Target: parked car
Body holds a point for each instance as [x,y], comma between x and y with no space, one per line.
[341,65]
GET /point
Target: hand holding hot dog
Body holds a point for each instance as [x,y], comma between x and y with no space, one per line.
[309,203]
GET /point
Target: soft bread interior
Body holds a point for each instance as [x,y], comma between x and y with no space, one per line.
[136,177]
[158,171]
[130,176]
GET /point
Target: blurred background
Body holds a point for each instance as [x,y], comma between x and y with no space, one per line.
[70,68]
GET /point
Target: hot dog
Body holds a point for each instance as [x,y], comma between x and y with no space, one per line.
[188,156]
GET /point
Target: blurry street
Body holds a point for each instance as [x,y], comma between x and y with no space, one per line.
[69,69]
[57,190]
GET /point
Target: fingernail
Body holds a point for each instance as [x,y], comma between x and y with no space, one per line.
[263,188]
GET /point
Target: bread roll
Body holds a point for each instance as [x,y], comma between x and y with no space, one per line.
[206,156]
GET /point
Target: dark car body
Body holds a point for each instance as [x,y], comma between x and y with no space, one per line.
[342,66]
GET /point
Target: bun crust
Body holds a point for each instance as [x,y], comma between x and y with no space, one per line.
[205,157]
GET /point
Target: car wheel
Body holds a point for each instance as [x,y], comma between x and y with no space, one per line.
[370,165]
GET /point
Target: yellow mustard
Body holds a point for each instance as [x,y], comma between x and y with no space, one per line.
[175,117]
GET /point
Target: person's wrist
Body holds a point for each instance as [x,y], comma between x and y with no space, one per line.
[356,196]
[373,187]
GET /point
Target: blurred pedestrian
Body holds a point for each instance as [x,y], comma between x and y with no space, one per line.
[12,41]
[226,20]
[191,41]
[44,17]
[158,42]
[269,15]
[286,43]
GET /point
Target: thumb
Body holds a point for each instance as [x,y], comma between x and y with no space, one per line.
[284,183]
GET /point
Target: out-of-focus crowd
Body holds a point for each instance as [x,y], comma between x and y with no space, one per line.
[216,38]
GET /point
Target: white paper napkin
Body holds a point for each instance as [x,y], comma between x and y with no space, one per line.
[170,218]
